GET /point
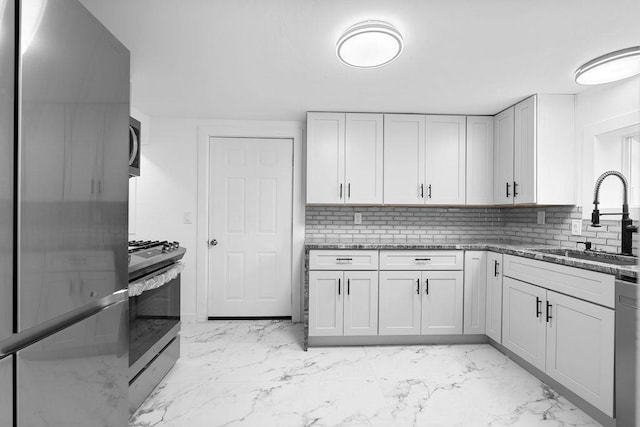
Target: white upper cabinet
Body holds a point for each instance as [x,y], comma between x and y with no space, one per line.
[404,151]
[325,157]
[503,158]
[479,160]
[424,159]
[534,152]
[446,142]
[524,151]
[344,158]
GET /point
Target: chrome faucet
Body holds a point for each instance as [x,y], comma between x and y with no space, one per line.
[627,226]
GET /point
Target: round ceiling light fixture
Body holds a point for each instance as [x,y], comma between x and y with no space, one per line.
[369,44]
[611,67]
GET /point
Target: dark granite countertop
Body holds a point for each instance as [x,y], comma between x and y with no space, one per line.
[526,250]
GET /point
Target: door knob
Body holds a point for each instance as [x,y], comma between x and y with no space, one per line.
[214,242]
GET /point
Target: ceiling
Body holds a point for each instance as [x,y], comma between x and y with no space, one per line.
[275,59]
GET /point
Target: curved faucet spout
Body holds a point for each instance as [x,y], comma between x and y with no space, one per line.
[627,227]
[625,186]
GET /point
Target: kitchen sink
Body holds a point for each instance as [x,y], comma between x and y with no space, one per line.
[597,256]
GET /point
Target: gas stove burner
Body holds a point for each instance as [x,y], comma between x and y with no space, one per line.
[148,255]
[164,246]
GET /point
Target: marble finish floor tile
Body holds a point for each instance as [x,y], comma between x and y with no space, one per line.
[254,373]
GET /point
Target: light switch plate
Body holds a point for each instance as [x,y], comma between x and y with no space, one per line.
[541,217]
[576,227]
[187,217]
[357,218]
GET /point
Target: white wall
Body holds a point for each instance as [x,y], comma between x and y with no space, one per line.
[598,110]
[168,188]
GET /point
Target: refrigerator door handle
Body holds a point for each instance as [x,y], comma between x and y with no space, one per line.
[30,336]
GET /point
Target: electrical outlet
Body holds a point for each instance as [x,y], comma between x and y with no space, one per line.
[576,227]
[541,217]
[357,218]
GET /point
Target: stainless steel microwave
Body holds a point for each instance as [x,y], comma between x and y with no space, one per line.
[134,147]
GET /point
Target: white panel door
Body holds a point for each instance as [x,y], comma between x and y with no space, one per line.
[399,308]
[326,303]
[442,301]
[503,157]
[494,297]
[361,303]
[580,343]
[446,141]
[250,217]
[524,155]
[404,154]
[325,157]
[475,291]
[479,160]
[523,321]
[363,158]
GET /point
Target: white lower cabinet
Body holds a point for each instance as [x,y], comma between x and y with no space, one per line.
[420,303]
[343,303]
[493,309]
[580,349]
[475,291]
[569,339]
[523,321]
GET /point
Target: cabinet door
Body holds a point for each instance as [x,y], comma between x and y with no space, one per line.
[363,158]
[399,312]
[361,303]
[580,343]
[325,157]
[442,302]
[475,291]
[325,303]
[503,157]
[404,153]
[524,156]
[494,297]
[479,160]
[523,321]
[446,141]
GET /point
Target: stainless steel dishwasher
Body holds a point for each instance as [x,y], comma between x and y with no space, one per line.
[626,352]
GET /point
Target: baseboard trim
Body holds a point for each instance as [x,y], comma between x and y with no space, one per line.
[396,340]
[249,318]
[563,391]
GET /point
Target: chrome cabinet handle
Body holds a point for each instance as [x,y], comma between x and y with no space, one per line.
[348,286]
[349,190]
[418,287]
[495,268]
[549,317]
[338,286]
[429,191]
[341,191]
[515,191]
[538,307]
[426,285]
[508,195]
[422,191]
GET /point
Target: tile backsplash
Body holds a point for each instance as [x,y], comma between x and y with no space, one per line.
[406,224]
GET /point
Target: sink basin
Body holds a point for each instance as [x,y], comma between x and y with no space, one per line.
[604,257]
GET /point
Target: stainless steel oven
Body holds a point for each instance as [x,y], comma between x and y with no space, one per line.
[154,315]
[134,147]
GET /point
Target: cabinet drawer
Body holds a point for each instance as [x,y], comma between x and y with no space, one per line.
[421,260]
[584,284]
[343,260]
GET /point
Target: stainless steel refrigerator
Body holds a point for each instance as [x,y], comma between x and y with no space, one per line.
[64,116]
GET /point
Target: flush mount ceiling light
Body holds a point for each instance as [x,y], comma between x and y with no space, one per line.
[611,67]
[369,44]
